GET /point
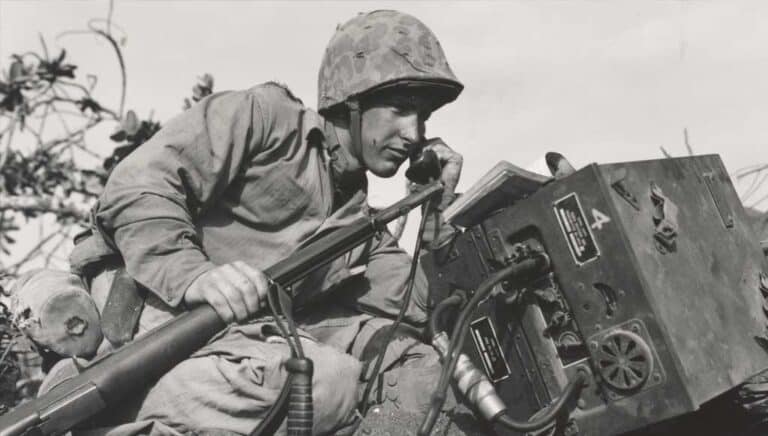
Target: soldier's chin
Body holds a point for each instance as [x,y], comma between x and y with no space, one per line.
[385,169]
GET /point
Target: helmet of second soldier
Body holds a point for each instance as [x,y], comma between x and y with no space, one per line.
[379,50]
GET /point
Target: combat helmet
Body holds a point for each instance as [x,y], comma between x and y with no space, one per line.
[383,49]
[378,50]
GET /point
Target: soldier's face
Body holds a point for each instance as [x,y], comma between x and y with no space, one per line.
[392,124]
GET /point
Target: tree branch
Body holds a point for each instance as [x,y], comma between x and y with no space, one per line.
[65,237]
[120,59]
[44,204]
[7,150]
[46,111]
[109,16]
[13,269]
[69,138]
[745,172]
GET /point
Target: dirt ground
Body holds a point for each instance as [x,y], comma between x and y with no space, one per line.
[390,421]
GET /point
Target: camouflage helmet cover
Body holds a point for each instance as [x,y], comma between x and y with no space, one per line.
[380,49]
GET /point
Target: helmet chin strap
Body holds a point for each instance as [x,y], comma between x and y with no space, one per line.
[355,128]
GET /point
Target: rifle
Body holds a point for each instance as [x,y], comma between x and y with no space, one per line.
[118,374]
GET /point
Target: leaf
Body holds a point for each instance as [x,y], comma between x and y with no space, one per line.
[51,70]
[130,123]
[198,93]
[207,81]
[127,127]
[10,101]
[16,71]
[117,155]
[203,87]
[118,135]
[66,71]
[88,103]
[92,79]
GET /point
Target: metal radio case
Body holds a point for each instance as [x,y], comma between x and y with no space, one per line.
[654,292]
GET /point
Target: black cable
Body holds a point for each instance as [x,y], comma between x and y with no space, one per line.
[278,320]
[462,324]
[456,299]
[406,302]
[300,402]
[527,266]
[270,423]
[300,390]
[297,389]
[546,419]
[276,414]
[287,309]
[537,262]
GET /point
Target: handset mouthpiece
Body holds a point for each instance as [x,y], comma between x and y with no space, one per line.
[425,167]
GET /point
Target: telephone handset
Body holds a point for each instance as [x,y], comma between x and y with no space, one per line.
[424,166]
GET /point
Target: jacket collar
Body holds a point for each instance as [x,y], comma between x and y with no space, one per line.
[345,178]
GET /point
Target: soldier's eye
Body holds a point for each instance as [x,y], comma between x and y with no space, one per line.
[403,109]
[404,106]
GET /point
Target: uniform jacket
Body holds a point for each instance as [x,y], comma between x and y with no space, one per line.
[248,175]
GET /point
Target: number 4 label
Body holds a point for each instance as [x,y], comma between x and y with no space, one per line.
[600,219]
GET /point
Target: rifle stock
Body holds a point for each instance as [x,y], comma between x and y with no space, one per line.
[118,374]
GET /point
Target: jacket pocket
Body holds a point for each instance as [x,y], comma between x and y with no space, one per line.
[273,198]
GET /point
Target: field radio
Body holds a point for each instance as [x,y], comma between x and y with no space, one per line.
[655,291]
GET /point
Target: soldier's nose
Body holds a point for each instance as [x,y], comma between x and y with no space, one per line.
[411,131]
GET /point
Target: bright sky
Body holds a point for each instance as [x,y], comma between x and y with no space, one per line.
[596,81]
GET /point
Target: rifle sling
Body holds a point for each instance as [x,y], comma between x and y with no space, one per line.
[123,307]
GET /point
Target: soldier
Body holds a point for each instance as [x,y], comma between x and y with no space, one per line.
[243,179]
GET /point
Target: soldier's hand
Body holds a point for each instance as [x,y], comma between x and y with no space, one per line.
[450,163]
[236,291]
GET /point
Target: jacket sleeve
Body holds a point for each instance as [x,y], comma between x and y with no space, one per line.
[152,198]
[386,275]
